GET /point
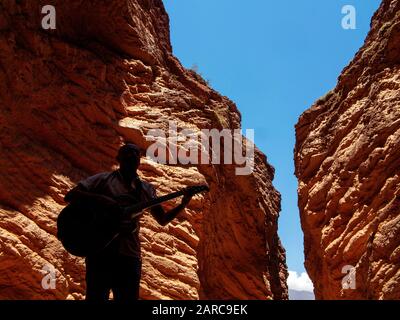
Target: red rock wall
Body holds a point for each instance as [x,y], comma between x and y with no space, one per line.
[348,165]
[69,97]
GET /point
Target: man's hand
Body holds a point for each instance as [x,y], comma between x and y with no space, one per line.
[163,218]
[186,199]
[190,192]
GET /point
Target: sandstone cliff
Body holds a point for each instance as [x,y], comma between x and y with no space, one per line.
[68,99]
[348,164]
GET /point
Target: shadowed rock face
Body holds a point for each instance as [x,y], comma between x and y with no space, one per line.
[69,98]
[348,164]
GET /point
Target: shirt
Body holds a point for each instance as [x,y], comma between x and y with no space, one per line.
[111,184]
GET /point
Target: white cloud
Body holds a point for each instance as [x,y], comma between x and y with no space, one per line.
[300,282]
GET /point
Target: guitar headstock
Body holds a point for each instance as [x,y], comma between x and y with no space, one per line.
[192,190]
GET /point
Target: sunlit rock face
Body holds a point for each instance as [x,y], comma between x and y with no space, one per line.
[348,164]
[69,98]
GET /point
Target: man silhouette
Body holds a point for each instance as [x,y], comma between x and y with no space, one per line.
[118,266]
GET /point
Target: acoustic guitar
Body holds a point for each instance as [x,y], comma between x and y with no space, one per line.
[86,227]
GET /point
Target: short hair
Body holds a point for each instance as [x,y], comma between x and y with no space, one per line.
[129,147]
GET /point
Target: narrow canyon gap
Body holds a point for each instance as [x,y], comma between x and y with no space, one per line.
[347,160]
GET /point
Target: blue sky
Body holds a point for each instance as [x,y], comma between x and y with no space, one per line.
[273,59]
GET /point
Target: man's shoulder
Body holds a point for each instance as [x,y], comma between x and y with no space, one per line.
[101,175]
[95,180]
[104,174]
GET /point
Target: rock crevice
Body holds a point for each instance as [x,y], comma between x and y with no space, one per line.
[347,160]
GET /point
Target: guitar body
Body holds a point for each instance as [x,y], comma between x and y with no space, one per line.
[86,227]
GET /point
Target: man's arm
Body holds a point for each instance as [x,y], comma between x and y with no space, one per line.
[80,193]
[163,218]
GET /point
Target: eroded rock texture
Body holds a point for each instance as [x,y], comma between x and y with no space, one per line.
[348,165]
[69,98]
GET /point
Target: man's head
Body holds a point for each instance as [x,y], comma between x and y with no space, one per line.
[129,158]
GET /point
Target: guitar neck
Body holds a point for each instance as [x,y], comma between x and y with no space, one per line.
[152,203]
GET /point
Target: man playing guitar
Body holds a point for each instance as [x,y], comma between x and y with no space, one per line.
[118,266]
